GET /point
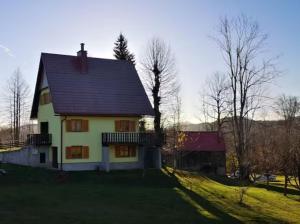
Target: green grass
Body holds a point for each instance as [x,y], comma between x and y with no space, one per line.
[9,149]
[33,195]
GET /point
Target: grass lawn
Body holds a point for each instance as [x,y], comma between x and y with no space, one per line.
[34,195]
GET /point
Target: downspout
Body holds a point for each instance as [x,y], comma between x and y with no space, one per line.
[61,142]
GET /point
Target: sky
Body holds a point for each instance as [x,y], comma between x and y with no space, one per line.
[31,27]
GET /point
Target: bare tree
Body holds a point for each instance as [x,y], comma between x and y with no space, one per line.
[288,107]
[16,94]
[215,99]
[176,114]
[160,77]
[264,158]
[242,42]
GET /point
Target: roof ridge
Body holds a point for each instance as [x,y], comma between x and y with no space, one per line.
[67,55]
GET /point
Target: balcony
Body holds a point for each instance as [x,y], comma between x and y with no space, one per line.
[39,139]
[148,139]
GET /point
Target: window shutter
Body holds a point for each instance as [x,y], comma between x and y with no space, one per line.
[132,150]
[68,125]
[49,98]
[68,152]
[84,125]
[42,99]
[45,98]
[132,126]
[117,151]
[85,152]
[117,126]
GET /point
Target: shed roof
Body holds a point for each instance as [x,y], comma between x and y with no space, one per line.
[201,141]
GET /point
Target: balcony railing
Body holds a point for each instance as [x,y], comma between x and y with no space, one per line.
[39,139]
[129,138]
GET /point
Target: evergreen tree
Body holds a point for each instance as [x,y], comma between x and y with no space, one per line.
[121,51]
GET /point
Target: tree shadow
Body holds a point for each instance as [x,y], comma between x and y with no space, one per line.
[222,217]
[227,181]
[278,189]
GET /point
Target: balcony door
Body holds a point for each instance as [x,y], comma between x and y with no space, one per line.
[54,157]
[44,127]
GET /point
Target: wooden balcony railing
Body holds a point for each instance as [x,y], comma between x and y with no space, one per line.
[129,138]
[39,139]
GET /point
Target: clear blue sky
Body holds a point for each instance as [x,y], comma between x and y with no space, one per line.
[31,27]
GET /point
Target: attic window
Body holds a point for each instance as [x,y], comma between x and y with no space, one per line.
[45,98]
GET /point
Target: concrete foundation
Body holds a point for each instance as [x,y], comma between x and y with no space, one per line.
[30,156]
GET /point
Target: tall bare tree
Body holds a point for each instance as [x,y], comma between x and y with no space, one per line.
[176,117]
[160,77]
[16,94]
[215,99]
[288,107]
[242,43]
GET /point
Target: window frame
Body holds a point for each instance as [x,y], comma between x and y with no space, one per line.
[83,154]
[125,151]
[125,125]
[45,98]
[77,125]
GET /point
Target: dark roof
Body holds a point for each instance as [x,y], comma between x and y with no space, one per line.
[109,87]
[201,141]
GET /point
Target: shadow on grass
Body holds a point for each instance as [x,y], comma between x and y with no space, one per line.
[278,189]
[114,195]
[222,216]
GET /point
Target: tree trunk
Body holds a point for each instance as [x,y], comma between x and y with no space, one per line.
[156,104]
[285,184]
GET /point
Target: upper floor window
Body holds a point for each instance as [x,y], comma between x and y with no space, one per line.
[125,126]
[77,152]
[77,125]
[45,98]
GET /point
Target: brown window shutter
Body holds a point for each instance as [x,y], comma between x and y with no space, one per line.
[68,152]
[125,126]
[45,96]
[49,98]
[42,99]
[117,151]
[132,126]
[84,125]
[68,125]
[117,126]
[85,152]
[132,150]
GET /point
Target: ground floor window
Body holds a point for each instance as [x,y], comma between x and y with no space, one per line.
[42,157]
[125,151]
[77,152]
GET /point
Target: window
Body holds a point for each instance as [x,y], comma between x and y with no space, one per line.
[125,151]
[125,126]
[42,157]
[77,125]
[45,98]
[77,152]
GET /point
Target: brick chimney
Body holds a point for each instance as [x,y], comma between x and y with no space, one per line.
[82,56]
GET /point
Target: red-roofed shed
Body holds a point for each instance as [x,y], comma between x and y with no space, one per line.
[202,141]
[201,151]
